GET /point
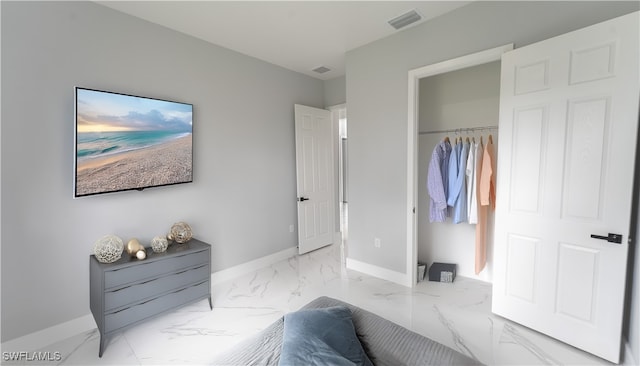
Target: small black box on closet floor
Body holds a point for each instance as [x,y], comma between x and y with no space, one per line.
[442,272]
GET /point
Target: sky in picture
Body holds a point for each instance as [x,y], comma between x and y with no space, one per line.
[108,112]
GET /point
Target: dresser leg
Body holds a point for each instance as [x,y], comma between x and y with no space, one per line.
[210,303]
[103,339]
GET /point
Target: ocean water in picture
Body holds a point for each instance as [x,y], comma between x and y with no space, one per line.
[100,144]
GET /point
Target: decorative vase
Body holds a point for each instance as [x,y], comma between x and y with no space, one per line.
[159,244]
[135,249]
[108,249]
[180,232]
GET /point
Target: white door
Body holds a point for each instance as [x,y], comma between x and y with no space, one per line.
[314,168]
[568,125]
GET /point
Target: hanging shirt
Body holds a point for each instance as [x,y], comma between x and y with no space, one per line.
[457,183]
[488,179]
[474,167]
[437,181]
[486,198]
[454,161]
[470,175]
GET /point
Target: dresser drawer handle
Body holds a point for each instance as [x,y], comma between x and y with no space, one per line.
[131,307]
[135,284]
[186,288]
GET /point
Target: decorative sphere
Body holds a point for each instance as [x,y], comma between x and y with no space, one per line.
[108,249]
[159,244]
[135,249]
[181,232]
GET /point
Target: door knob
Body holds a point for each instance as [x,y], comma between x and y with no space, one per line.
[611,238]
[302,199]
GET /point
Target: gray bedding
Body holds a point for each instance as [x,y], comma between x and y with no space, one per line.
[385,342]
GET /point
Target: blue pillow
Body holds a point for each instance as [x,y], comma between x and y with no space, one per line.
[321,337]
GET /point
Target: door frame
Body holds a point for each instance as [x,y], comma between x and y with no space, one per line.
[463,62]
[338,111]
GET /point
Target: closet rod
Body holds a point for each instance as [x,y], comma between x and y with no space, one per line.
[460,130]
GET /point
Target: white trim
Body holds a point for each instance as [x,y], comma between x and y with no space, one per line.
[379,272]
[42,338]
[415,75]
[254,265]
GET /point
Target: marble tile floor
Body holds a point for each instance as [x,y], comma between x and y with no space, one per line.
[457,315]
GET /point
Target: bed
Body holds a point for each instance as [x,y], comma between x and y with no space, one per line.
[384,342]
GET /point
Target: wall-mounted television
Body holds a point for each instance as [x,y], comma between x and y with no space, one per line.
[127,142]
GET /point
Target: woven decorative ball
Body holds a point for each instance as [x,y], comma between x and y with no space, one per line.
[159,244]
[108,249]
[180,232]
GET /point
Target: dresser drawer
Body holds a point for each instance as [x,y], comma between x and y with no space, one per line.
[150,308]
[134,293]
[143,270]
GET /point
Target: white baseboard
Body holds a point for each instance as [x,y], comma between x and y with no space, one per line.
[628,356]
[248,267]
[375,271]
[42,338]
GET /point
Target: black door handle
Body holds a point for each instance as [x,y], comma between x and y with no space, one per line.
[611,238]
[302,199]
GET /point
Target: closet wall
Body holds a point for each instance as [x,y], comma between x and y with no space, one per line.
[461,99]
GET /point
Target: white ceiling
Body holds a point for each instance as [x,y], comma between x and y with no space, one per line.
[297,35]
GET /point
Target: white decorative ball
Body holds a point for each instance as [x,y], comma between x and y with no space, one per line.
[141,254]
[108,249]
[159,244]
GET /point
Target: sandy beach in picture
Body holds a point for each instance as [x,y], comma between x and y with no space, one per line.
[161,164]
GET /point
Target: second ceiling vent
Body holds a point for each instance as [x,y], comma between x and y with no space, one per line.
[321,69]
[405,19]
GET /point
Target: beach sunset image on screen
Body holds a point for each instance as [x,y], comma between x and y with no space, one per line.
[126,142]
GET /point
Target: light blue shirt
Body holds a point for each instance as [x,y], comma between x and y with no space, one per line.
[457,197]
[437,182]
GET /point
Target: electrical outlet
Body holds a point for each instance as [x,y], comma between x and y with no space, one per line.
[292,228]
[376,242]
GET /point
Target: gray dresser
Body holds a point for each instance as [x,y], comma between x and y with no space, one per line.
[129,291]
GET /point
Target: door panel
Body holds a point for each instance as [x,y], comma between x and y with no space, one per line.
[314,166]
[529,130]
[568,127]
[586,161]
[577,288]
[521,263]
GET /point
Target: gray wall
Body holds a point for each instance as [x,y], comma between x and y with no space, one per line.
[335,91]
[242,200]
[377,77]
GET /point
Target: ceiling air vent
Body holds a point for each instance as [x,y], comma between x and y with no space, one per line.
[405,19]
[321,69]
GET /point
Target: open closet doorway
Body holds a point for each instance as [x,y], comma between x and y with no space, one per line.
[414,182]
[339,118]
